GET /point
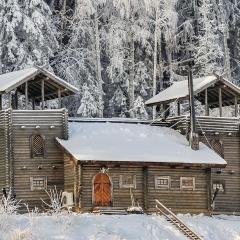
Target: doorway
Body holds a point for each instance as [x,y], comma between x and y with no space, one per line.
[102,190]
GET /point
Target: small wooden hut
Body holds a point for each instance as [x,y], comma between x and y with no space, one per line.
[106,161]
[218,132]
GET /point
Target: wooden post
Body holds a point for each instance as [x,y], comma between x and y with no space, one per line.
[194,140]
[43,94]
[80,185]
[145,187]
[59,99]
[75,186]
[15,104]
[206,103]
[178,108]
[236,105]
[1,107]
[9,100]
[33,103]
[220,101]
[26,95]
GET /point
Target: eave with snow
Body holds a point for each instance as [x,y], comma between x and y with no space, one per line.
[134,144]
[37,84]
[212,91]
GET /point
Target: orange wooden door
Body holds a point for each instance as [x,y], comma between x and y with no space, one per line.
[102,190]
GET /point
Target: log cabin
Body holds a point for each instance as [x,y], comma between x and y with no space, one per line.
[219,133]
[104,163]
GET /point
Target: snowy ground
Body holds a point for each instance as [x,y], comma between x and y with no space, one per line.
[131,227]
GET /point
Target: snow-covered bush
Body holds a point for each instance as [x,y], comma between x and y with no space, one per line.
[55,204]
[8,207]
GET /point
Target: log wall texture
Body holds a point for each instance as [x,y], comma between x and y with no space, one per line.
[50,124]
[226,131]
[145,193]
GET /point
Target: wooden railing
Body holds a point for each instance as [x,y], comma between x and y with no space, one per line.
[204,124]
[173,219]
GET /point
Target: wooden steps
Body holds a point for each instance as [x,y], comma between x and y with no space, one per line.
[110,211]
[173,219]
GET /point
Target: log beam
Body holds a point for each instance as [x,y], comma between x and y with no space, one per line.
[59,99]
[236,106]
[26,95]
[206,103]
[43,94]
[220,101]
[1,104]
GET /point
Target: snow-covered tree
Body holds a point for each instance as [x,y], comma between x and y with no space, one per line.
[209,52]
[27,34]
[138,109]
[88,107]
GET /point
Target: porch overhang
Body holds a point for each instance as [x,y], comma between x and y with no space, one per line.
[54,87]
[209,85]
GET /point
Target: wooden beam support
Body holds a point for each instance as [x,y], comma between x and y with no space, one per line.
[26,96]
[236,105]
[16,99]
[206,103]
[145,187]
[43,94]
[59,99]
[220,101]
[1,102]
[9,100]
[33,103]
[178,108]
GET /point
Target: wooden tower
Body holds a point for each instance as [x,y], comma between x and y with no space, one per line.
[29,157]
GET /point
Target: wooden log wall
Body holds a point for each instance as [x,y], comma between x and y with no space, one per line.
[3,151]
[174,198]
[50,124]
[225,130]
[229,200]
[145,192]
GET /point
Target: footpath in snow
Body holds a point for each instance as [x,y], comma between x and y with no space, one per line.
[103,227]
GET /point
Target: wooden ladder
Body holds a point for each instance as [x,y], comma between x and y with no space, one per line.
[173,219]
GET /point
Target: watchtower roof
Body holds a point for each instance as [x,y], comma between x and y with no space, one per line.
[179,91]
[34,76]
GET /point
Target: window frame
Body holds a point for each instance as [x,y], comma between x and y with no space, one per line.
[218,182]
[162,187]
[122,185]
[191,188]
[38,188]
[34,155]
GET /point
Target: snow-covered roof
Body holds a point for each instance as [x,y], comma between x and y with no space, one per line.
[124,142]
[10,81]
[179,90]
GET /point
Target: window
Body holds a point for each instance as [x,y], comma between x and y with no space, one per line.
[127,181]
[217,146]
[162,182]
[220,185]
[37,146]
[187,183]
[38,183]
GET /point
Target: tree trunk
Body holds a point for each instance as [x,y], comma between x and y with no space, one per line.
[131,78]
[227,66]
[63,13]
[98,67]
[154,89]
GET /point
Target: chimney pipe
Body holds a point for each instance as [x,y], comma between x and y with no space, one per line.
[193,138]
